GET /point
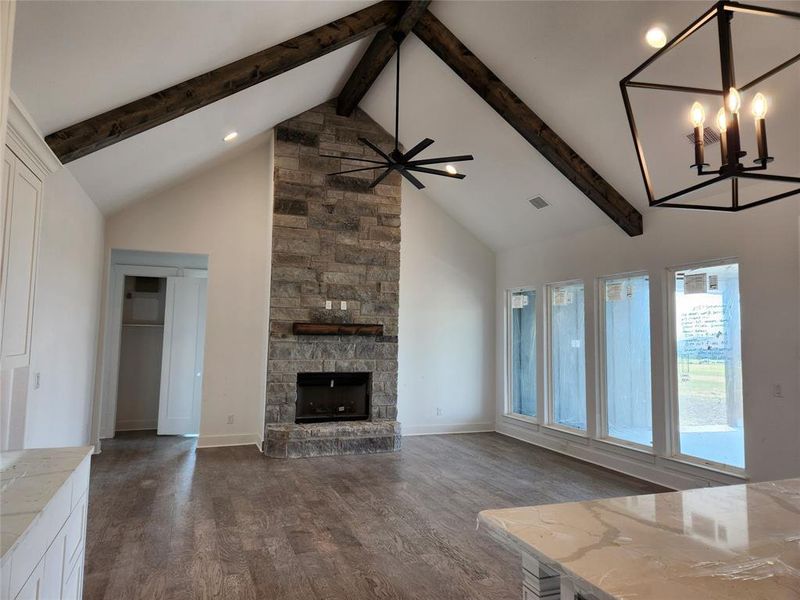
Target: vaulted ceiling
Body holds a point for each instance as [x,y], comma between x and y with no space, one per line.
[73,60]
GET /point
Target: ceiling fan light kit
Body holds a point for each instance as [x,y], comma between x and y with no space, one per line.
[402,162]
[732,167]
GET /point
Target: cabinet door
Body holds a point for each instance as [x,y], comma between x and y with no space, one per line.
[73,585]
[22,215]
[32,590]
[53,573]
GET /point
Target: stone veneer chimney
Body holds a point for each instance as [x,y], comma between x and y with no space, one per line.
[333,239]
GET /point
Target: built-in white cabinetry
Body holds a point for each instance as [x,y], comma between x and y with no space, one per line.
[23,194]
[45,560]
[21,211]
[26,163]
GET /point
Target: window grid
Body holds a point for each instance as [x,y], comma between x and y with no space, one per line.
[545,413]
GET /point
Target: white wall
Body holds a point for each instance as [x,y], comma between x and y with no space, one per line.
[446,333]
[765,242]
[139,378]
[66,315]
[226,213]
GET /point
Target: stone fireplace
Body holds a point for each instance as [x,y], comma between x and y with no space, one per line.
[334,240]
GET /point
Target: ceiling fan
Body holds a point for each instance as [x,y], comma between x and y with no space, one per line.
[399,161]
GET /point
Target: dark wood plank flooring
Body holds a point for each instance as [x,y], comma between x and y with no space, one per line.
[167,521]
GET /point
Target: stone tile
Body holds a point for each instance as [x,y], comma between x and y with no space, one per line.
[296,136]
[291,221]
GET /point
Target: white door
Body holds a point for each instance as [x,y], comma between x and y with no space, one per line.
[182,358]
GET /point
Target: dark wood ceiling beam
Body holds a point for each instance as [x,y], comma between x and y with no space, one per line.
[527,123]
[140,115]
[377,56]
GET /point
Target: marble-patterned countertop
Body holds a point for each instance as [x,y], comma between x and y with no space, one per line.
[28,481]
[740,541]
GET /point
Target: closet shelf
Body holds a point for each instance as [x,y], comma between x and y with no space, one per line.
[157,325]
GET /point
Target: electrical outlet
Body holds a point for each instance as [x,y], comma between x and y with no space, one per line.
[230,419]
[37,380]
[777,391]
[343,305]
[439,411]
[328,305]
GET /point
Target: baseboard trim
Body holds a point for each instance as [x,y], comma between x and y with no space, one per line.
[236,439]
[136,425]
[412,430]
[653,470]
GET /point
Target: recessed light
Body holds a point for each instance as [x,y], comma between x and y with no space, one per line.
[230,137]
[655,37]
[451,169]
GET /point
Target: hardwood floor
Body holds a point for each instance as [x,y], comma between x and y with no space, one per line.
[166,521]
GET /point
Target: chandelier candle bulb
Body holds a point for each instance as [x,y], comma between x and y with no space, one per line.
[722,124]
[759,109]
[697,115]
[734,101]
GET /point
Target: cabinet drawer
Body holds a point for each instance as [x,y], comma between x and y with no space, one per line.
[74,531]
[80,480]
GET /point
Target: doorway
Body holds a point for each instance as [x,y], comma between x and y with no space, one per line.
[153,356]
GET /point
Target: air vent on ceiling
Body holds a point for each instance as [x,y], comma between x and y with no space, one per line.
[710,136]
[538,202]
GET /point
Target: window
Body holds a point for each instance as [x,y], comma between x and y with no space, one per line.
[626,327]
[708,364]
[522,352]
[567,360]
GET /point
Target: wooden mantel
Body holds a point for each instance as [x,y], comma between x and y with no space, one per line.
[337,329]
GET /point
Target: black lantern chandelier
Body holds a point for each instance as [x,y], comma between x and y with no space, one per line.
[733,165]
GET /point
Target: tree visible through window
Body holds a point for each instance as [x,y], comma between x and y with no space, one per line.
[709,364]
[523,352]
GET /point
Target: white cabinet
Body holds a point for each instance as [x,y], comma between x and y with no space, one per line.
[23,193]
[20,218]
[46,562]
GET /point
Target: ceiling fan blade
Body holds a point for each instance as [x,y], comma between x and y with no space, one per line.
[417,183]
[434,161]
[354,170]
[369,144]
[366,160]
[417,149]
[380,178]
[436,172]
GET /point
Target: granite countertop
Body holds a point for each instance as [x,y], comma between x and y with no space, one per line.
[28,481]
[740,541]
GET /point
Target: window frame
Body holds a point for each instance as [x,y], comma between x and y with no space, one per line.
[509,391]
[547,363]
[602,387]
[673,450]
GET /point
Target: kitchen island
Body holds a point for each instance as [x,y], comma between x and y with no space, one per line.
[740,541]
[43,503]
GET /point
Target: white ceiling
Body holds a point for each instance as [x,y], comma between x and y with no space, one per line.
[564,59]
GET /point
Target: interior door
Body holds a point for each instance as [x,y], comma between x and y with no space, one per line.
[182,357]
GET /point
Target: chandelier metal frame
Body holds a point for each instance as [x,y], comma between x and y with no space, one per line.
[732,167]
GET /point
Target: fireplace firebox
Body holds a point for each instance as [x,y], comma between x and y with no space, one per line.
[332,397]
